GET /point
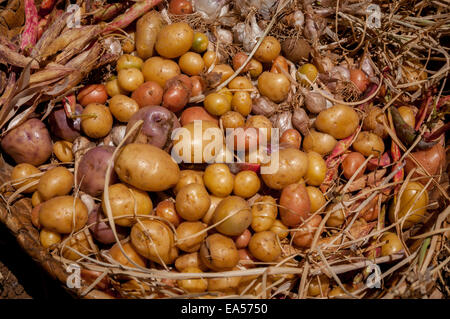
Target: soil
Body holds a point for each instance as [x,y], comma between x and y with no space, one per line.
[21,277]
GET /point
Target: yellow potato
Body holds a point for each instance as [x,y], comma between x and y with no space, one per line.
[76,246]
[340,121]
[174,40]
[264,246]
[321,143]
[264,214]
[369,144]
[292,166]
[239,221]
[192,202]
[57,214]
[55,182]
[153,240]
[189,260]
[118,256]
[194,285]
[185,239]
[22,171]
[147,167]
[125,200]
[219,253]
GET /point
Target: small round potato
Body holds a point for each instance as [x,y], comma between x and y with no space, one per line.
[218,179]
[292,166]
[127,200]
[56,182]
[97,120]
[63,151]
[166,209]
[246,184]
[122,107]
[239,221]
[78,244]
[49,238]
[369,144]
[187,230]
[193,285]
[192,202]
[187,177]
[219,253]
[153,240]
[118,256]
[340,121]
[264,246]
[57,213]
[21,172]
[264,212]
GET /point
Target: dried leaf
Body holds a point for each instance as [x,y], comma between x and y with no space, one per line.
[11,57]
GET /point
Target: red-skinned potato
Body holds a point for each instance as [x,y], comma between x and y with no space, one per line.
[295,204]
[177,92]
[29,143]
[198,85]
[291,138]
[239,59]
[242,240]
[101,230]
[180,7]
[305,235]
[94,93]
[158,125]
[92,170]
[351,163]
[63,127]
[191,114]
[432,159]
[148,93]
[246,259]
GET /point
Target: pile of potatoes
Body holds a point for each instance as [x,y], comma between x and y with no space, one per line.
[210,217]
